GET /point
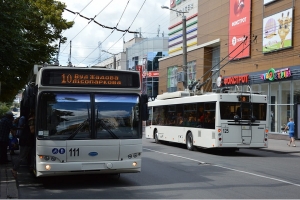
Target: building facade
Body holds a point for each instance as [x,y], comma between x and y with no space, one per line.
[120,59]
[143,56]
[251,42]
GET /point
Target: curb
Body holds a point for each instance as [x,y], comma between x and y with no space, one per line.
[277,151]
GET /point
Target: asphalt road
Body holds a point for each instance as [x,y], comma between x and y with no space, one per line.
[170,171]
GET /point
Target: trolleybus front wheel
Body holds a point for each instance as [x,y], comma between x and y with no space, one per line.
[156,137]
[189,142]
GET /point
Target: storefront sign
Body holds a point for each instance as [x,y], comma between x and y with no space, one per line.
[151,74]
[234,80]
[272,75]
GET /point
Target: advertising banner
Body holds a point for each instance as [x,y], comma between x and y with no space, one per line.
[239,28]
[278,31]
[140,69]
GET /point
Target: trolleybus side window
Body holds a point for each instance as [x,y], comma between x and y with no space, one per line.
[171,115]
[190,115]
[209,115]
[179,115]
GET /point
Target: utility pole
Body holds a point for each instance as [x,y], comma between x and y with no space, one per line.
[70,63]
[184,46]
[184,52]
[100,47]
[114,58]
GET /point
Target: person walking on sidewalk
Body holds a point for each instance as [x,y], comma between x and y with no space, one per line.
[6,125]
[26,142]
[291,127]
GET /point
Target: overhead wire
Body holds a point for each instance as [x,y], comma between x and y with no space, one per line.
[59,44]
[88,22]
[123,33]
[110,33]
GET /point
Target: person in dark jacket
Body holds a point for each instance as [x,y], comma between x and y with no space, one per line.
[6,125]
[26,143]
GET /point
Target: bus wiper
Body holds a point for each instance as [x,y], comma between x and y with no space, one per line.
[103,125]
[81,125]
[78,129]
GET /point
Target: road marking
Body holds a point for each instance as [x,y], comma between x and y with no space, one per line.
[236,170]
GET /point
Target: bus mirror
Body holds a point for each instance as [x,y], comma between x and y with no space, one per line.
[144,106]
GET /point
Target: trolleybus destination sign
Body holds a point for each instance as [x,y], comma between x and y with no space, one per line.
[89,78]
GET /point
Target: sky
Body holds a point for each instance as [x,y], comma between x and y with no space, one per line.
[83,38]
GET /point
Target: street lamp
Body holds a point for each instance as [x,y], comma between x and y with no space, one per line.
[114,56]
[184,46]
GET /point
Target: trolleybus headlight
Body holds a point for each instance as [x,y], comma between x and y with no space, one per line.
[129,156]
[135,155]
[53,158]
[134,164]
[41,157]
[47,167]
[47,158]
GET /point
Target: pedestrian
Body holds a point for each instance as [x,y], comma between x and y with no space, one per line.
[26,143]
[6,125]
[13,140]
[291,127]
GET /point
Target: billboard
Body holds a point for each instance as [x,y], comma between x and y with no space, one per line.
[278,31]
[239,28]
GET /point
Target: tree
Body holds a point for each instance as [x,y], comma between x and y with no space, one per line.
[4,107]
[29,33]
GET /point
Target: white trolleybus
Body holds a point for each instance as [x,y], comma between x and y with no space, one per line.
[230,120]
[88,120]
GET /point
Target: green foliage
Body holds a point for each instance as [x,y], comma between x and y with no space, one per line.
[29,30]
[3,108]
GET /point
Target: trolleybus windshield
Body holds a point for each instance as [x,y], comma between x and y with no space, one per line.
[84,116]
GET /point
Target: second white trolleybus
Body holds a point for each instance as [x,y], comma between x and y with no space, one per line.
[229,120]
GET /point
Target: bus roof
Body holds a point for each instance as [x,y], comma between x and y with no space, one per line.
[211,97]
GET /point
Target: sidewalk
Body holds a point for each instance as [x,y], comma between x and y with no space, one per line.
[9,190]
[8,184]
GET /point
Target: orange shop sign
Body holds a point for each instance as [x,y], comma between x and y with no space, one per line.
[151,74]
[235,80]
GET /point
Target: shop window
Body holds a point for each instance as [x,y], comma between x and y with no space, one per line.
[285,92]
[296,86]
[172,79]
